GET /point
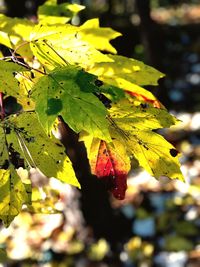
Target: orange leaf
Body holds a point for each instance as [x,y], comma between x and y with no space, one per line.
[110,163]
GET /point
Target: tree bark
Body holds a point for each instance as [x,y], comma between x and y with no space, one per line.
[98,213]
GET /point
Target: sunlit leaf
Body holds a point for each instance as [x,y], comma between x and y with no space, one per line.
[98,36]
[28,140]
[128,74]
[98,95]
[47,154]
[8,82]
[152,151]
[26,82]
[109,162]
[51,52]
[112,92]
[127,69]
[12,195]
[67,92]
[140,115]
[14,33]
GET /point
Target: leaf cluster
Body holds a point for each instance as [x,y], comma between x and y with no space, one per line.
[58,69]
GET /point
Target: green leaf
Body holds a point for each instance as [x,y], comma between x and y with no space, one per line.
[26,82]
[140,115]
[67,92]
[31,142]
[52,13]
[8,82]
[97,36]
[47,46]
[111,92]
[12,195]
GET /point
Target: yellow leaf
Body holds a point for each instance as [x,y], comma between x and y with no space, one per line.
[12,195]
[133,127]
[75,8]
[14,33]
[99,37]
[140,115]
[51,52]
[127,74]
[128,69]
[29,140]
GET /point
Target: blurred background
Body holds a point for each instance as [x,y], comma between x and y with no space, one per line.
[158,223]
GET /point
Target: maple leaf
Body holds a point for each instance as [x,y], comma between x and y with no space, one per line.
[128,74]
[134,127]
[98,36]
[108,161]
[123,69]
[133,115]
[67,92]
[46,45]
[28,144]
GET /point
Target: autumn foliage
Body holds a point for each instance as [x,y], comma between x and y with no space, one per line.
[57,69]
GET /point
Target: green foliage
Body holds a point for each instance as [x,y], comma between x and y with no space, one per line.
[65,73]
[41,152]
[51,13]
[8,83]
[67,91]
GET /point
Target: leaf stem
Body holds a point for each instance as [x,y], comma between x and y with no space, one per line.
[21,45]
[15,58]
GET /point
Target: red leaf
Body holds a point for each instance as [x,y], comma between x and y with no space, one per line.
[104,165]
[110,168]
